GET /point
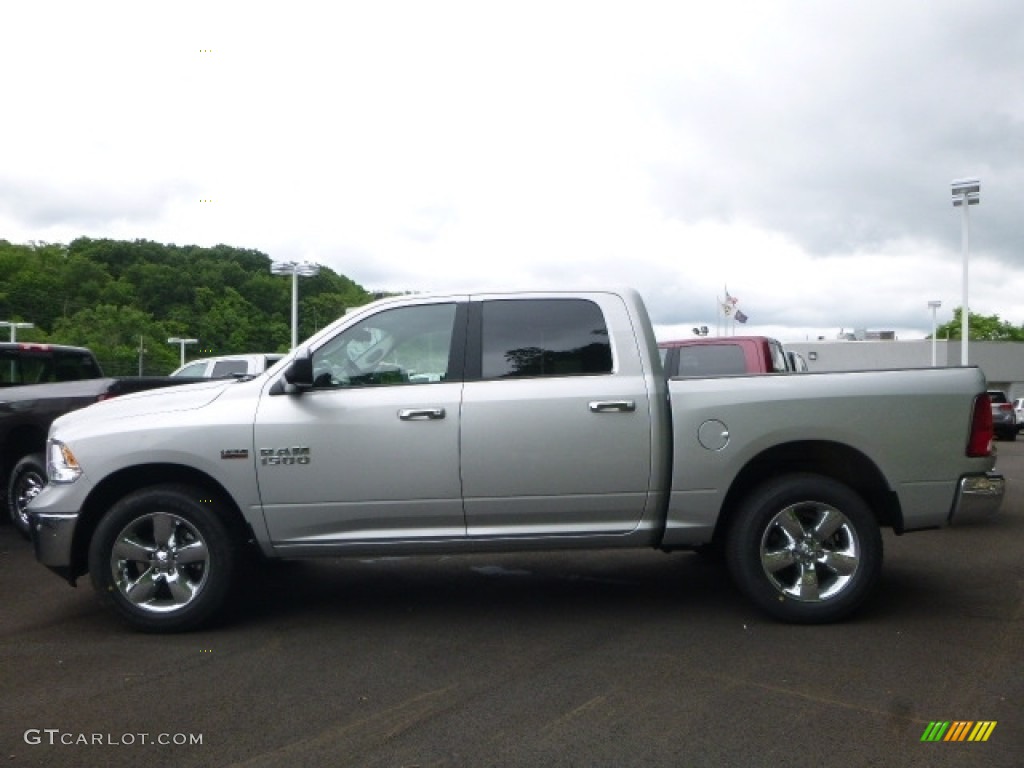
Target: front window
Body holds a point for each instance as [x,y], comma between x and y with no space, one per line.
[407,345]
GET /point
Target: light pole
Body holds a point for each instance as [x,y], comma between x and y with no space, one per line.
[182,342]
[295,269]
[14,328]
[934,305]
[966,192]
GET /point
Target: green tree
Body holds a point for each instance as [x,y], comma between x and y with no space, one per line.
[980,328]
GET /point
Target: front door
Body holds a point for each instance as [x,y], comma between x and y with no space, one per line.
[372,451]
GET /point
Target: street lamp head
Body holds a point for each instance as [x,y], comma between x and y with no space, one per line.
[934,304]
[969,188]
[303,269]
[177,340]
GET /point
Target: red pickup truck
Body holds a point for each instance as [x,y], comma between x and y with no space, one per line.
[723,356]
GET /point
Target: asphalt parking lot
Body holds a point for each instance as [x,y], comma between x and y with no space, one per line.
[593,659]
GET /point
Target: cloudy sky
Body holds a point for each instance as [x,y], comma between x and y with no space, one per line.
[798,152]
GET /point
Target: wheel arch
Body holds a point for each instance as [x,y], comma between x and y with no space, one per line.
[834,460]
[21,441]
[130,479]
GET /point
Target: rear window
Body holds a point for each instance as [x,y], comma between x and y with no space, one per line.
[711,360]
[43,366]
[997,397]
[544,337]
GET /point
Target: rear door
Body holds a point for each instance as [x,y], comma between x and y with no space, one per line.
[556,431]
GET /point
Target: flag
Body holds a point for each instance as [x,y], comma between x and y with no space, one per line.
[740,317]
[732,300]
[726,307]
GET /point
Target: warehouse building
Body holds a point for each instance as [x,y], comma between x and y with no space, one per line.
[1001,361]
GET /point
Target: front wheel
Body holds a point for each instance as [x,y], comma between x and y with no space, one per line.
[164,559]
[805,548]
[27,479]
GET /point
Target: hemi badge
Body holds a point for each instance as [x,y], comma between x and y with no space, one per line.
[235,453]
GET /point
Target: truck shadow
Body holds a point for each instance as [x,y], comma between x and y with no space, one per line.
[472,586]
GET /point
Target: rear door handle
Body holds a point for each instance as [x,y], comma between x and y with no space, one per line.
[613,406]
[412,414]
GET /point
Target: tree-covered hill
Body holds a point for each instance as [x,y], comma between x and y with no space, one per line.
[112,295]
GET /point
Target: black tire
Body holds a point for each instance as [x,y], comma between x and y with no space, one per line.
[163,558]
[781,558]
[27,479]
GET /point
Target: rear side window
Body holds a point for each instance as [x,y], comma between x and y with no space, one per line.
[544,337]
[711,360]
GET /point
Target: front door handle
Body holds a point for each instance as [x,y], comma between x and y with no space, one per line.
[613,406]
[413,414]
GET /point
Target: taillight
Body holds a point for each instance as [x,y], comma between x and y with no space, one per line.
[979,444]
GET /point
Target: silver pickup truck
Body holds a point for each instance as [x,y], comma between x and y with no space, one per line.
[508,422]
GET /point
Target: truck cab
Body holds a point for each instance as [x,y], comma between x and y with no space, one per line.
[723,356]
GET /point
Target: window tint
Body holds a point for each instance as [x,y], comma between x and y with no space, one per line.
[229,368]
[711,360]
[544,337]
[407,345]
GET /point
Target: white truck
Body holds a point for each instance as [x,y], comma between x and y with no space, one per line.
[508,422]
[227,366]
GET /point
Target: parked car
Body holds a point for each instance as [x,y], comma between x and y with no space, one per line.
[1004,417]
[227,366]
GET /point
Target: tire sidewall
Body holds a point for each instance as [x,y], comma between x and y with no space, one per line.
[743,547]
[33,465]
[205,516]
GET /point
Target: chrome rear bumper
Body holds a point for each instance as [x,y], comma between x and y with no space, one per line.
[978,497]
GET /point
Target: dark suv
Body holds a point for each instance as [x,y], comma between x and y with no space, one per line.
[1004,418]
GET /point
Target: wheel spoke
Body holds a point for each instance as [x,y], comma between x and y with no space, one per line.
[790,524]
[840,563]
[163,529]
[126,548]
[143,588]
[831,521]
[182,590]
[807,587]
[777,559]
[195,552]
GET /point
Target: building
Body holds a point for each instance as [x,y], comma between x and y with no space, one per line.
[1001,361]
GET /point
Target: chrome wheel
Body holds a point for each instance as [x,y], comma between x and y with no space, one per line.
[159,562]
[27,480]
[810,551]
[805,548]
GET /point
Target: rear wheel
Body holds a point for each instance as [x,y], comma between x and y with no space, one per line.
[164,559]
[27,479]
[805,548]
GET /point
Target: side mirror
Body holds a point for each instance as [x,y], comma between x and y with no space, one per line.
[299,372]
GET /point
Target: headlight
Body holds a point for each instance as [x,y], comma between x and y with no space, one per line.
[61,464]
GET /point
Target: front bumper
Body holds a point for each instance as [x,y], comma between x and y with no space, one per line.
[978,497]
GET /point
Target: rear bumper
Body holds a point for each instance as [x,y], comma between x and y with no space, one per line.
[978,497]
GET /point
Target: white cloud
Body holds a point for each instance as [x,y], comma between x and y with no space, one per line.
[799,152]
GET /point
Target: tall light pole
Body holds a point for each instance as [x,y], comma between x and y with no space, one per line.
[966,192]
[14,328]
[182,342]
[295,269]
[934,305]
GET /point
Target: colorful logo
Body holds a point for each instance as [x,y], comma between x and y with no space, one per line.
[959,730]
